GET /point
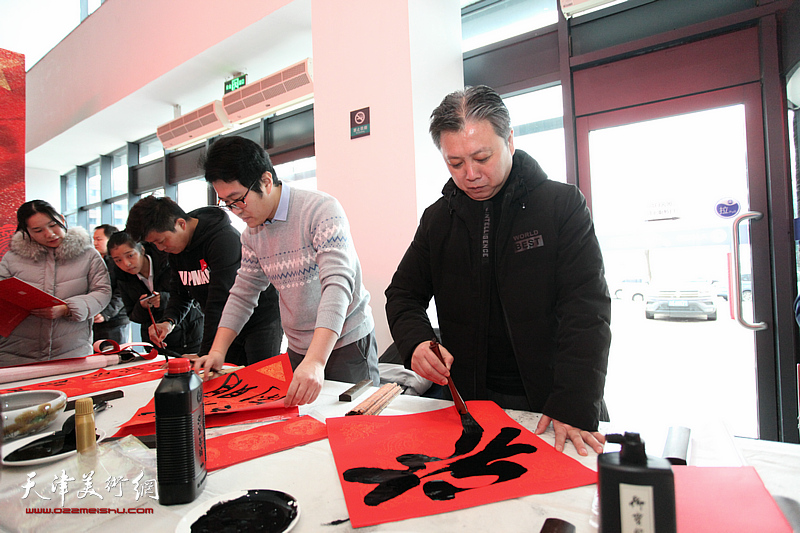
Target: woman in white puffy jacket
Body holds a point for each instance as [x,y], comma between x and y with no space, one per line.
[61,262]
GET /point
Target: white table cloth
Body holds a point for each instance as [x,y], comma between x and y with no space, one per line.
[309,474]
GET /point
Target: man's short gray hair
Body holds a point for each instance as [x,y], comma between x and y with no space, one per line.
[471,104]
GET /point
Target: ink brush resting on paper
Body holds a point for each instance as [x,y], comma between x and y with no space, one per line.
[378,401]
[98,398]
[470,425]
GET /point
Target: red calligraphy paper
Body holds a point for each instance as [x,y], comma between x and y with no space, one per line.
[235,448]
[730,499]
[100,380]
[398,467]
[255,392]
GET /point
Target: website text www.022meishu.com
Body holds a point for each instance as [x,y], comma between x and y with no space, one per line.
[90,510]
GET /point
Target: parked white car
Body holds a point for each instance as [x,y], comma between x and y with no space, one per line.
[681,299]
[630,289]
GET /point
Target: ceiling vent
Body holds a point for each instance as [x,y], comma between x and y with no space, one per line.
[195,126]
[572,7]
[270,94]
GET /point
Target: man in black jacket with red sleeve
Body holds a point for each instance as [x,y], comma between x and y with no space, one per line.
[513,264]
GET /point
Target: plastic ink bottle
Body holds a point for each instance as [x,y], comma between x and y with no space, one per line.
[180,434]
[636,492]
[85,439]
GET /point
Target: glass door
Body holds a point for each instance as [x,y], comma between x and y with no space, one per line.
[667,182]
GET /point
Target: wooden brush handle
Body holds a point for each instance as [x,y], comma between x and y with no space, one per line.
[461,407]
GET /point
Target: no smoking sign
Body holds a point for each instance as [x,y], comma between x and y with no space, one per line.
[359,123]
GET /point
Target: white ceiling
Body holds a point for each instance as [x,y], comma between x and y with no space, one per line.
[258,51]
[23,28]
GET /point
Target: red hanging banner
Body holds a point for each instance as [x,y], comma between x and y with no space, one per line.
[12,142]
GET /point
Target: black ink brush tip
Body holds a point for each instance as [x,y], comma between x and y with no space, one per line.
[468,422]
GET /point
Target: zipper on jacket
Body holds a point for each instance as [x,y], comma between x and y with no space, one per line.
[507,201]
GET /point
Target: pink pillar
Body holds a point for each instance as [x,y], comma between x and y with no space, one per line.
[398,58]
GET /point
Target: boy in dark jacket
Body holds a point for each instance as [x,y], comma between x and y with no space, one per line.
[144,282]
[204,253]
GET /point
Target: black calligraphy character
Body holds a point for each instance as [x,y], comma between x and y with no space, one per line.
[636,502]
[238,392]
[484,463]
[264,396]
[231,388]
[231,382]
[391,483]
[488,462]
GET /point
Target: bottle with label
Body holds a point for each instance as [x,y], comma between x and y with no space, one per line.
[85,439]
[636,491]
[180,434]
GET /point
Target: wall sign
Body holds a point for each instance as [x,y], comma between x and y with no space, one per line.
[359,123]
[236,83]
[727,208]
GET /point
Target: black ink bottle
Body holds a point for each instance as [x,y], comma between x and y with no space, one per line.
[636,491]
[180,434]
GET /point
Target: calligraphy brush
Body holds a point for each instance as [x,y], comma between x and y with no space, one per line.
[470,425]
[163,349]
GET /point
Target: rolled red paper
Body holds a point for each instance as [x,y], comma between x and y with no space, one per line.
[52,368]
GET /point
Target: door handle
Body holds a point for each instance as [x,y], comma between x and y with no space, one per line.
[737,281]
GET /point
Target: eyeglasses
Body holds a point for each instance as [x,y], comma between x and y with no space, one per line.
[234,204]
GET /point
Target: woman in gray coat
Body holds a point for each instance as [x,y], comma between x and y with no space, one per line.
[61,262]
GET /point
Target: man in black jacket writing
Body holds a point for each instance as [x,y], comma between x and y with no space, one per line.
[513,264]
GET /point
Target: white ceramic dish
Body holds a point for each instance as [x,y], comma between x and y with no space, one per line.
[28,412]
[273,500]
[8,449]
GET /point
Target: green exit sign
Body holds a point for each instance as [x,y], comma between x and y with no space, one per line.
[235,83]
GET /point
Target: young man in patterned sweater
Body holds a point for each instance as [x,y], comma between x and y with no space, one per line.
[298,241]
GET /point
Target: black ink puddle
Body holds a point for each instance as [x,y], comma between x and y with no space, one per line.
[265,511]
